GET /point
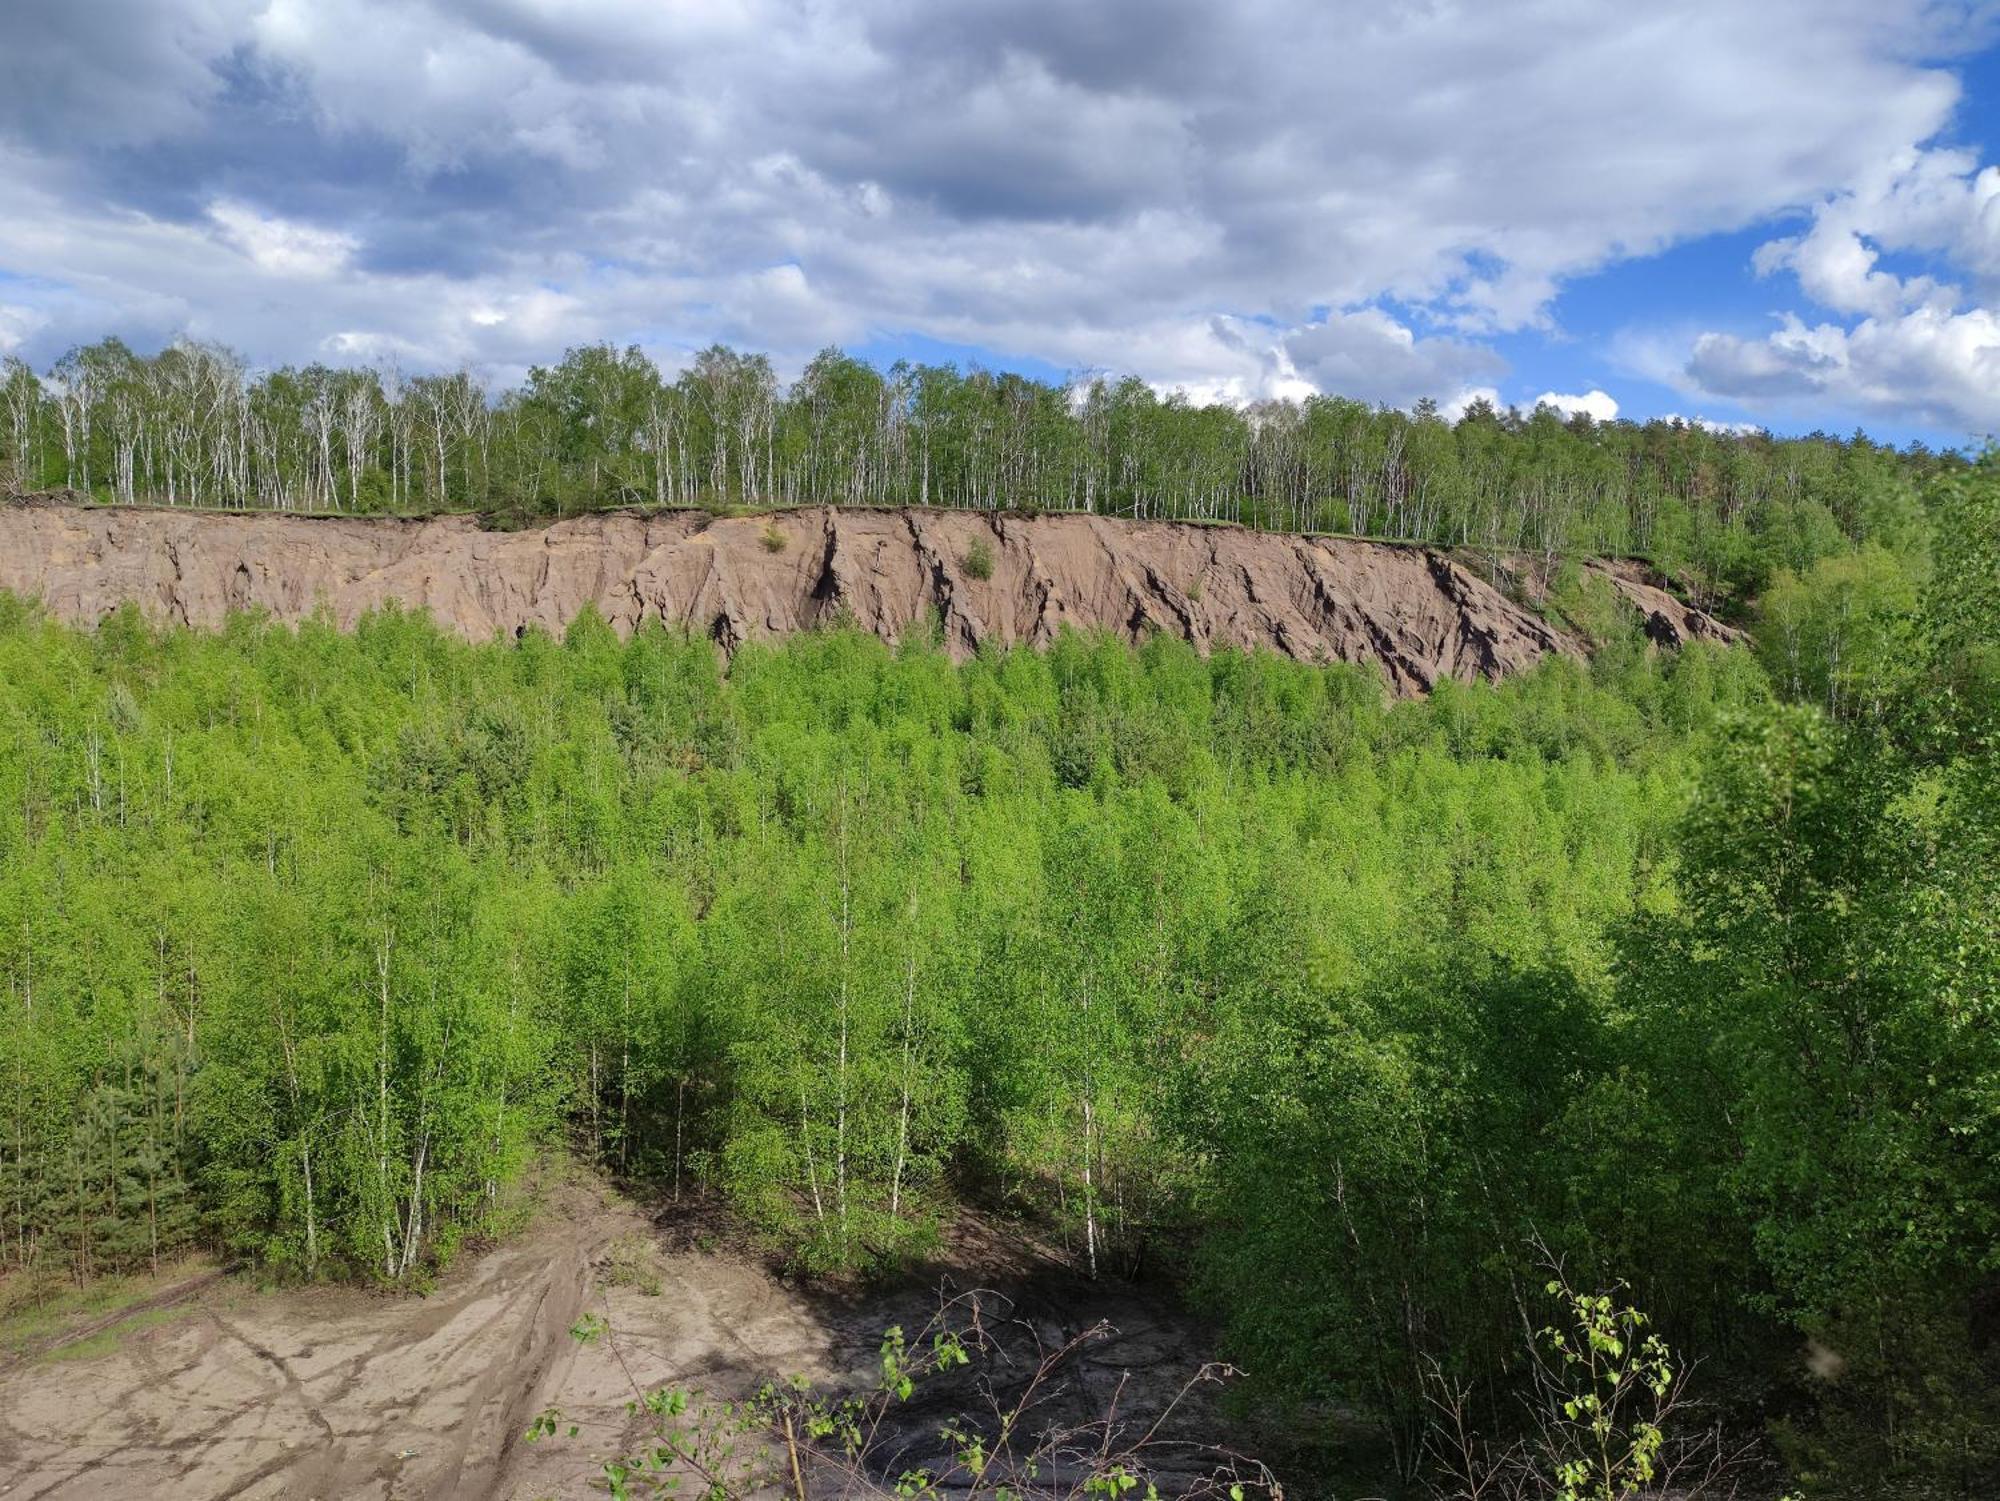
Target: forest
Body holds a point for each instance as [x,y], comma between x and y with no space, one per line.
[193,425]
[1348,1016]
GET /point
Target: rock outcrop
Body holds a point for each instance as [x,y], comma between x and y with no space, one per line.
[983,576]
[1669,620]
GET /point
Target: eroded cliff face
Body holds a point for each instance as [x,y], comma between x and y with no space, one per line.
[1009,579]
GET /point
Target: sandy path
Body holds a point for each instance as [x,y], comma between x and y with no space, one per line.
[320,1393]
[335,1393]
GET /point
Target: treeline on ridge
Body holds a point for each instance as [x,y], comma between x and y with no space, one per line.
[193,425]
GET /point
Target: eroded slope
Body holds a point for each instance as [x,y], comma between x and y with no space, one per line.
[1008,579]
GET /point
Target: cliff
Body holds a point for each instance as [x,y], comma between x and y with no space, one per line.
[1418,612]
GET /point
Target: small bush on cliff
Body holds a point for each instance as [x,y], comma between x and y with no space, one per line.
[979,560]
[773,539]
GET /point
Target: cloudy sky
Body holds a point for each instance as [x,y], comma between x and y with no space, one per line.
[1771,211]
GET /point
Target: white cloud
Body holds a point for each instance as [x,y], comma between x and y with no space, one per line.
[16,323]
[1224,200]
[15,327]
[369,347]
[1713,425]
[1593,403]
[280,246]
[1931,365]
[1367,352]
[1467,399]
[1924,348]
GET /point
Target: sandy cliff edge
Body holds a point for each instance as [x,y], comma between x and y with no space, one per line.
[1418,612]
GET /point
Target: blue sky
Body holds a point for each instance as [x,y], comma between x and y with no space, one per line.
[1779,214]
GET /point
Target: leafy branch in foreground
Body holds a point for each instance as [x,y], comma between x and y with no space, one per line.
[1607,1408]
[792,1439]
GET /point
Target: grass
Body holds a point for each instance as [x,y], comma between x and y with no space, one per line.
[36,1311]
[633,1261]
[979,560]
[107,1339]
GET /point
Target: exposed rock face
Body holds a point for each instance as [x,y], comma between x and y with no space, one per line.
[1418,613]
[1669,621]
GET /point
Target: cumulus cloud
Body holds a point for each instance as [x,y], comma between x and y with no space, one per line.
[280,246]
[1923,346]
[1222,199]
[1931,365]
[1368,352]
[16,323]
[1714,424]
[1593,403]
[1469,398]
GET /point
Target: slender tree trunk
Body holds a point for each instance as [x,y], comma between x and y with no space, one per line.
[625,1071]
[812,1165]
[680,1113]
[413,1224]
[909,1048]
[840,1098]
[1089,1143]
[312,1221]
[382,951]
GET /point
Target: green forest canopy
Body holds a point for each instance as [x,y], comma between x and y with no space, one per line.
[1679,967]
[193,426]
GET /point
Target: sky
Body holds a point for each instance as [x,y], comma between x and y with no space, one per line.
[1783,213]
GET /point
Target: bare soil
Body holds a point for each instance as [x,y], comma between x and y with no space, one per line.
[1419,613]
[211,1388]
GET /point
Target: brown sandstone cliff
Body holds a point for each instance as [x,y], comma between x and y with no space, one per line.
[1417,612]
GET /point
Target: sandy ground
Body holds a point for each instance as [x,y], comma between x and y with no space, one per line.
[336,1393]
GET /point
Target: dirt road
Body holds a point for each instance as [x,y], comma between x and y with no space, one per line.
[337,1393]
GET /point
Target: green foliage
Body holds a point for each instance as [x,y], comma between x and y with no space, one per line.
[1607,1418]
[1841,634]
[1347,1009]
[1833,973]
[979,560]
[310,939]
[1602,1451]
